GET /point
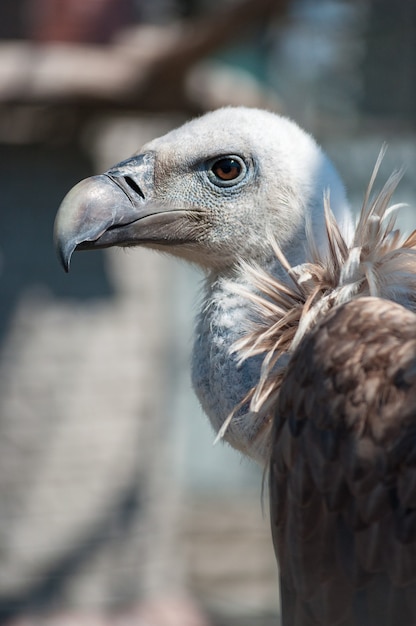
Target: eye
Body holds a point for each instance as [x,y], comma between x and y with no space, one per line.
[226,171]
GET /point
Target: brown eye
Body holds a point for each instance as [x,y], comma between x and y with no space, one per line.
[227,169]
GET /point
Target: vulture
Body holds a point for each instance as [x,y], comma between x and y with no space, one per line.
[305,345]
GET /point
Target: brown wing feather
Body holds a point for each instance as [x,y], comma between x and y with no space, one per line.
[343,470]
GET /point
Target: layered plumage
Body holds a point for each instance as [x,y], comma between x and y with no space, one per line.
[304,356]
[343,446]
[377,260]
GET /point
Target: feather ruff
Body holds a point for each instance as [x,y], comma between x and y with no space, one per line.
[378,261]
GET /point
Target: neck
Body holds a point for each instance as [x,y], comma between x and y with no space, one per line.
[219,381]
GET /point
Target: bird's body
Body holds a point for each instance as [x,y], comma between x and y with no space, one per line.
[342,472]
[241,193]
[343,441]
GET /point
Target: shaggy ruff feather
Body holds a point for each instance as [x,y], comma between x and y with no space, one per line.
[379,261]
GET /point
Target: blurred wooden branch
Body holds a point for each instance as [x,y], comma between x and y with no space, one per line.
[146,68]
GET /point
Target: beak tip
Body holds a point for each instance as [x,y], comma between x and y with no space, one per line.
[66,264]
[70,220]
[87,212]
[64,250]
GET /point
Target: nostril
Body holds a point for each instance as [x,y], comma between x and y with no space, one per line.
[134,186]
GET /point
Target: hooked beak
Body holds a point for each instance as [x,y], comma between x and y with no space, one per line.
[117,208]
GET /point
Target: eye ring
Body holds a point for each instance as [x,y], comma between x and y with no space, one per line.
[227,170]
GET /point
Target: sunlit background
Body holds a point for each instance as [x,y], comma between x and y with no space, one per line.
[115,508]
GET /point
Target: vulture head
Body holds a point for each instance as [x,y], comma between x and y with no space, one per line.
[212,191]
[216,191]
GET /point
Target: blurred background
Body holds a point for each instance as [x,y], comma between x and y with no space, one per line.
[115,508]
